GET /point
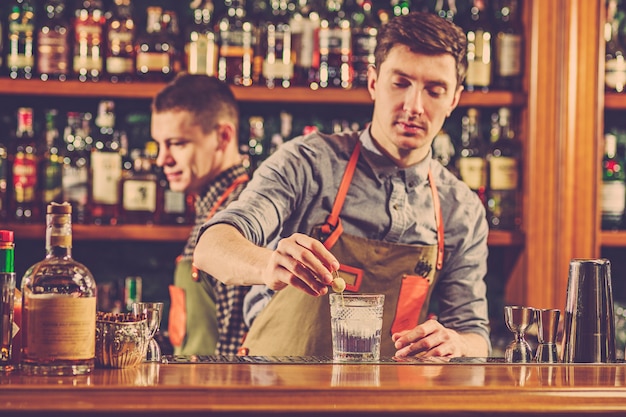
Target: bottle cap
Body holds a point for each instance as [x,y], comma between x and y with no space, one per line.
[6,235]
[59,208]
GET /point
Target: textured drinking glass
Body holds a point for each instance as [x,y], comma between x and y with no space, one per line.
[356,322]
[153,312]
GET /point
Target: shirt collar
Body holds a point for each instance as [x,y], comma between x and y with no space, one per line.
[214,189]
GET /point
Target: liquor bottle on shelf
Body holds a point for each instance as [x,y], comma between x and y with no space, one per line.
[75,179]
[58,292]
[4,182]
[471,160]
[237,44]
[444,152]
[400,7]
[171,28]
[613,194]
[139,191]
[24,173]
[201,43]
[257,144]
[51,163]
[615,62]
[154,50]
[88,52]
[479,34]
[277,47]
[21,32]
[508,45]
[106,167]
[304,22]
[503,159]
[335,47]
[53,42]
[364,31]
[120,46]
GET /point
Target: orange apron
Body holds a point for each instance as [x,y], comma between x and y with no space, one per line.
[192,323]
[296,324]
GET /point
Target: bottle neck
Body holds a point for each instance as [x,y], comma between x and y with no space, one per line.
[59,235]
[7,257]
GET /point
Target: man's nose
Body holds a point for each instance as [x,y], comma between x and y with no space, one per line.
[413,103]
[163,157]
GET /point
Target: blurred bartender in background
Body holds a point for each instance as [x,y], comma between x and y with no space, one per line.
[195,121]
[374,206]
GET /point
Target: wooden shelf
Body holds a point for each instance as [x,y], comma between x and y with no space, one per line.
[615,239]
[127,232]
[302,95]
[158,233]
[615,101]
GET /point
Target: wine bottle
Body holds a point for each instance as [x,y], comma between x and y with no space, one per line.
[613,194]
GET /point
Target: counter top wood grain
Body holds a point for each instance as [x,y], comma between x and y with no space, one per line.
[422,389]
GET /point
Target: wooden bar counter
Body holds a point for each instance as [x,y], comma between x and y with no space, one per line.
[417,389]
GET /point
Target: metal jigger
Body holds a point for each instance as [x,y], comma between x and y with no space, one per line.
[589,326]
[547,326]
[518,319]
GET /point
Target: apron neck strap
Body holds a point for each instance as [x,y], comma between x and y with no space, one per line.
[239,180]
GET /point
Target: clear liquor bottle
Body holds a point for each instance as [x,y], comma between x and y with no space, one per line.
[139,192]
[304,23]
[105,167]
[479,32]
[335,47]
[7,302]
[277,47]
[615,59]
[237,45]
[21,34]
[51,163]
[364,32]
[75,179]
[504,162]
[446,9]
[201,45]
[24,169]
[120,47]
[509,39]
[471,159]
[88,53]
[613,191]
[154,59]
[4,182]
[53,42]
[58,293]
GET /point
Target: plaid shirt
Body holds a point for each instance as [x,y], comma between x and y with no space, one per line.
[228,298]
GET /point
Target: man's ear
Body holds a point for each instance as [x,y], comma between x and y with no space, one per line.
[226,134]
[372,76]
[455,100]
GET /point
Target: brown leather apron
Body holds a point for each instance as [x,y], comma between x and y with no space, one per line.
[192,322]
[296,324]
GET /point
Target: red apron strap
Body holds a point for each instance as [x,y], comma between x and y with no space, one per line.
[332,229]
[438,220]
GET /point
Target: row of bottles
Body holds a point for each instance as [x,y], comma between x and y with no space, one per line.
[615,46]
[488,162]
[107,170]
[613,188]
[276,43]
[88,164]
[56,293]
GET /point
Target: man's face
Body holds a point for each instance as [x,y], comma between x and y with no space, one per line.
[189,157]
[413,95]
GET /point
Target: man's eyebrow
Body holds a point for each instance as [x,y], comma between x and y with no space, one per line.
[432,83]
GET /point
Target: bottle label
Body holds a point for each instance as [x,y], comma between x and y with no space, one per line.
[202,55]
[509,47]
[615,73]
[52,186]
[60,327]
[613,197]
[87,46]
[139,195]
[75,184]
[472,172]
[174,202]
[152,62]
[503,173]
[107,171]
[52,52]
[119,65]
[24,177]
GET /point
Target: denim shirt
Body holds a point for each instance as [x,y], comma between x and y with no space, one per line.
[295,188]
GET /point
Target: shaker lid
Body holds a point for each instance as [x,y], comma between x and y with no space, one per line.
[59,208]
